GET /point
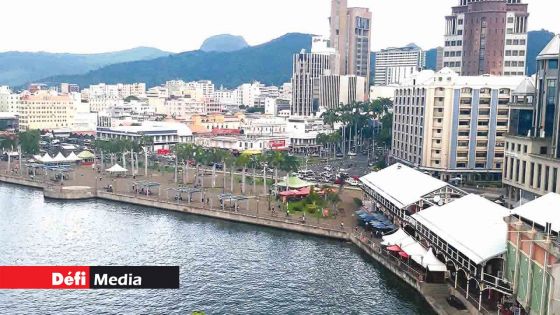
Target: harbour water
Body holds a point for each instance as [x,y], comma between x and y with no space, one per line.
[226,268]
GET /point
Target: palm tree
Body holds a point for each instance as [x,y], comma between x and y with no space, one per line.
[333,199]
[184,153]
[243,161]
[200,157]
[274,160]
[229,161]
[289,164]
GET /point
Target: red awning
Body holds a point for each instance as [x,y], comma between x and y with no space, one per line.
[303,192]
[404,255]
[394,248]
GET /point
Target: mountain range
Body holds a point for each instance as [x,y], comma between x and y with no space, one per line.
[225,59]
[17,68]
[269,63]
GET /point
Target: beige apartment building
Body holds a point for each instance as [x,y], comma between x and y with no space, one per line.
[452,126]
[46,110]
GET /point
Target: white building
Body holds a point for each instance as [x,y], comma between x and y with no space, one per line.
[394,65]
[162,134]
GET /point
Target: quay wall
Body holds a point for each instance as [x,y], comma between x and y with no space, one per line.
[227,215]
[21,181]
[63,194]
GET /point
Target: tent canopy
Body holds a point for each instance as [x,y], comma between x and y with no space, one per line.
[59,158]
[47,158]
[116,169]
[72,157]
[394,238]
[86,155]
[459,224]
[294,182]
[431,262]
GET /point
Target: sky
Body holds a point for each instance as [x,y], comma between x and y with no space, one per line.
[90,26]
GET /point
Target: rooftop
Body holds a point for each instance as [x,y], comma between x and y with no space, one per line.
[401,184]
[551,50]
[543,210]
[472,224]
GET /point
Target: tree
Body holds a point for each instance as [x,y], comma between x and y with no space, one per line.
[29,141]
[243,161]
[274,160]
[333,199]
[7,144]
[184,153]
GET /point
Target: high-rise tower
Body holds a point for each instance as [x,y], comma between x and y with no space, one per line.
[350,30]
[487,37]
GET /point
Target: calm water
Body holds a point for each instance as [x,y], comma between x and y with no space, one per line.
[226,268]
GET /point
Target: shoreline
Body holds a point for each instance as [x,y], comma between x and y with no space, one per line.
[429,292]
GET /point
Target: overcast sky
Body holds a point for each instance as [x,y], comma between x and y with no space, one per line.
[87,26]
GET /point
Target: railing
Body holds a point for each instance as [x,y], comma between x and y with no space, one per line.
[277,217]
[414,274]
[499,284]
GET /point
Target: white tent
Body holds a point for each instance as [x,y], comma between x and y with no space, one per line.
[59,158]
[72,157]
[395,238]
[431,262]
[116,169]
[47,158]
[415,251]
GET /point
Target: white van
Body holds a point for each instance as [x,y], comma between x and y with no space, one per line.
[305,173]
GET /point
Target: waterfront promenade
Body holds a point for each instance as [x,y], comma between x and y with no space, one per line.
[256,210]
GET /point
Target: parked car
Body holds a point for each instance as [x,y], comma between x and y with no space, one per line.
[352,182]
[339,181]
[327,168]
[455,302]
[350,153]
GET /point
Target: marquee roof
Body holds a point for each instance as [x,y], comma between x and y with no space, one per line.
[473,225]
[402,185]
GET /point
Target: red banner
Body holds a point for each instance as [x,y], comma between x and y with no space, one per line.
[277,143]
[44,277]
[92,277]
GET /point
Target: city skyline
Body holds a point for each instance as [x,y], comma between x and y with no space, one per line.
[150,25]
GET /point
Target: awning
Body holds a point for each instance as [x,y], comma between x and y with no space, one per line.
[303,192]
[294,182]
[432,263]
[394,238]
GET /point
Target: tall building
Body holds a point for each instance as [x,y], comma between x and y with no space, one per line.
[307,69]
[340,89]
[486,37]
[532,161]
[394,65]
[453,126]
[350,36]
